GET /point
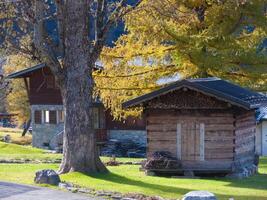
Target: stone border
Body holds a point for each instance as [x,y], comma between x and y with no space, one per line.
[107,194]
[29,161]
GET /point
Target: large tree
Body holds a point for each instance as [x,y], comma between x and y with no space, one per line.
[76,21]
[182,39]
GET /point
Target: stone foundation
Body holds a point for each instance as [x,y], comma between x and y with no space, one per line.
[244,172]
[137,136]
[43,134]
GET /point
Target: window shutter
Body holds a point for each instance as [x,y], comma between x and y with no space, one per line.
[38,117]
[61,116]
[53,117]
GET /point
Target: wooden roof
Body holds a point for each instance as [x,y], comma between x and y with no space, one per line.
[28,71]
[213,86]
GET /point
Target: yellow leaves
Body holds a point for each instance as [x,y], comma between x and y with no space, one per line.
[195,3]
[17,100]
[164,33]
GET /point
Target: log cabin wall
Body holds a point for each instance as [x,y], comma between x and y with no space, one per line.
[164,113]
[245,133]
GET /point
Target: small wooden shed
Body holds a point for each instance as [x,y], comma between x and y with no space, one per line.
[208,124]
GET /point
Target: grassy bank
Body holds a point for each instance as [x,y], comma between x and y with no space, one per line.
[128,178]
[15,135]
[17,152]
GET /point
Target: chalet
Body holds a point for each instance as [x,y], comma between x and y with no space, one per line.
[207,124]
[48,116]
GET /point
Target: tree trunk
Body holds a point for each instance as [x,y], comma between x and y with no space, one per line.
[26,128]
[79,143]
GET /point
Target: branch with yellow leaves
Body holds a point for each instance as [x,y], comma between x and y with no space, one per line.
[137,73]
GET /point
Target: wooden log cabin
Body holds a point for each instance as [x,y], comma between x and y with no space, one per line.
[207,124]
[48,117]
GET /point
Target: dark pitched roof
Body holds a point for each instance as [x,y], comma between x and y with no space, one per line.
[26,72]
[212,86]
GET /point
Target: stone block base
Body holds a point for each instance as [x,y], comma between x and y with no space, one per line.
[244,172]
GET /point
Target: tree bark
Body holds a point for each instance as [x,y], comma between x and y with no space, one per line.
[79,152]
[79,143]
[26,128]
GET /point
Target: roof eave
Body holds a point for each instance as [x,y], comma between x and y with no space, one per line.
[176,86]
[25,72]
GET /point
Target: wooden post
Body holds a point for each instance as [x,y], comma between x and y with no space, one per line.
[27,87]
[179,143]
[202,142]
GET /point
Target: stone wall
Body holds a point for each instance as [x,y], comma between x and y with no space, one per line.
[137,136]
[43,134]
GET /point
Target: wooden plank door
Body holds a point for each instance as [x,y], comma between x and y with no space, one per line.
[190,141]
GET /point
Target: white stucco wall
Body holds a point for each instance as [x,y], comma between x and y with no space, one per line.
[259,139]
[264,138]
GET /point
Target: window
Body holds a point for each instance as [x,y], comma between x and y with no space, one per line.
[61,116]
[50,117]
[38,117]
[46,116]
[53,117]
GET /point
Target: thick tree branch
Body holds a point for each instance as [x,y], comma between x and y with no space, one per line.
[60,21]
[44,44]
[163,68]
[119,12]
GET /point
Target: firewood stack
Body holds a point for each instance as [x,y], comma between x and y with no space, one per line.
[162,160]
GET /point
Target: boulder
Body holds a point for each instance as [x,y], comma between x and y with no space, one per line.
[199,195]
[7,139]
[47,177]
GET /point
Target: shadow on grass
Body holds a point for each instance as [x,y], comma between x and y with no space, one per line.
[115,178]
[257,182]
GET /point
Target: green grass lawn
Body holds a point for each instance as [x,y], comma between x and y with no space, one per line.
[128,179]
[13,151]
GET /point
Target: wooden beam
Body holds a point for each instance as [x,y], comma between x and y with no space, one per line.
[202,142]
[27,87]
[179,143]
